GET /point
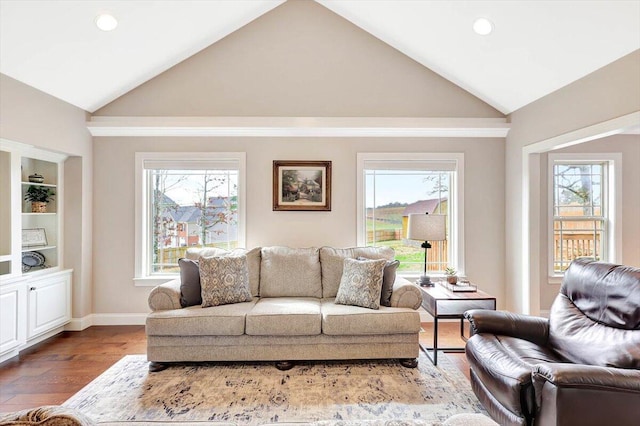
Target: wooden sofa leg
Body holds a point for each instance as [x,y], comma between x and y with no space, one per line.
[409,362]
[284,365]
[157,366]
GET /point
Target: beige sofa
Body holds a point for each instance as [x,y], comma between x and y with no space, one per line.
[292,315]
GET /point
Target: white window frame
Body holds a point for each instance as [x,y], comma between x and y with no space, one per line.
[612,205]
[177,160]
[419,160]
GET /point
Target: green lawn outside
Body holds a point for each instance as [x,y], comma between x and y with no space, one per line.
[411,259]
[379,224]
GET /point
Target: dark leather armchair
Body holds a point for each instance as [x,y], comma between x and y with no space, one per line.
[579,367]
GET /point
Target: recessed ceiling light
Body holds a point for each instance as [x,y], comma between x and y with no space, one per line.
[482,26]
[106,22]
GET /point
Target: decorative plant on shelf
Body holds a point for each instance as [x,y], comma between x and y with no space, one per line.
[39,196]
[452,277]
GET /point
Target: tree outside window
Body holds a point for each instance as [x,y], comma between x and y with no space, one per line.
[190,208]
[579,212]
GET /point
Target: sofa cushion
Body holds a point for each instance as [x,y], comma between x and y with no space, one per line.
[332,260]
[388,279]
[224,320]
[361,283]
[224,280]
[285,316]
[343,320]
[190,290]
[253,261]
[290,272]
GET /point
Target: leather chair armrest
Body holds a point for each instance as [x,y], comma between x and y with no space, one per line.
[405,294]
[165,296]
[587,376]
[584,394]
[533,329]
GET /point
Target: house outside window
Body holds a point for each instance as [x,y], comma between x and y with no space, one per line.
[186,201]
[391,186]
[584,202]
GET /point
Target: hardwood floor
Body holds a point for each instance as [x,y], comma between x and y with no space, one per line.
[52,371]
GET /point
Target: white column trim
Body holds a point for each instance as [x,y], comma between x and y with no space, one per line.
[530,232]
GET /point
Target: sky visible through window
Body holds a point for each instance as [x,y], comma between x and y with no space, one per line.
[185,186]
[404,187]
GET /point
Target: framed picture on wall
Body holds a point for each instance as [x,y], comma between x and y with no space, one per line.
[302,185]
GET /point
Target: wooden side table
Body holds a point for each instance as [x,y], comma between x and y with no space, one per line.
[442,303]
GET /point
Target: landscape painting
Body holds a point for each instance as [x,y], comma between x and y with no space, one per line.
[302,185]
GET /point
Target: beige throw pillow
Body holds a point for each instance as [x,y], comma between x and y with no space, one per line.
[361,283]
[224,280]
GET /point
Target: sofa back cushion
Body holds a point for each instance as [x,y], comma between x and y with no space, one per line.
[293,272]
[253,261]
[596,317]
[332,260]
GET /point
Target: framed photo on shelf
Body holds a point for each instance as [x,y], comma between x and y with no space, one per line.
[302,185]
[35,237]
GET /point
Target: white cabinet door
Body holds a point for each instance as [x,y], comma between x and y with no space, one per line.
[49,302]
[13,316]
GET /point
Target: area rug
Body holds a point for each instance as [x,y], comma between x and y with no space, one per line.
[355,392]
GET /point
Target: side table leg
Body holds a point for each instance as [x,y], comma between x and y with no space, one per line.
[435,341]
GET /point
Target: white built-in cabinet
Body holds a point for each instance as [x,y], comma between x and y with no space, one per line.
[35,301]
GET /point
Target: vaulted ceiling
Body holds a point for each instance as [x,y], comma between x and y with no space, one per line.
[536,47]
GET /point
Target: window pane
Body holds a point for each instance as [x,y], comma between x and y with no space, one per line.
[578,190]
[190,208]
[579,213]
[574,239]
[390,196]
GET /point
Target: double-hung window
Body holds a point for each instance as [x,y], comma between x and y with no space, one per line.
[186,200]
[393,185]
[583,201]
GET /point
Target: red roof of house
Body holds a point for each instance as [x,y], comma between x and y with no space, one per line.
[422,206]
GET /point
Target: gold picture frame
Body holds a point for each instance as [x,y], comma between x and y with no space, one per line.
[301,185]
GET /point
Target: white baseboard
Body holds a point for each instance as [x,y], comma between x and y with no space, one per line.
[79,324]
[119,319]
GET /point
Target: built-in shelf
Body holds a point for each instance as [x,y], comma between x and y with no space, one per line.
[26,249]
[34,302]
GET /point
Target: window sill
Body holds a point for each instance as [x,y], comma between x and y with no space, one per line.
[153,281]
[555,280]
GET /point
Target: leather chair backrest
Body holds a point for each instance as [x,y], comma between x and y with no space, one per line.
[596,317]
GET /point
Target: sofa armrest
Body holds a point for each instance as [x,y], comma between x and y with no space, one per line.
[165,296]
[533,329]
[46,415]
[405,294]
[586,394]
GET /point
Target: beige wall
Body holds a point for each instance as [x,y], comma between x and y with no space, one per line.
[606,94]
[299,60]
[32,117]
[629,147]
[114,217]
